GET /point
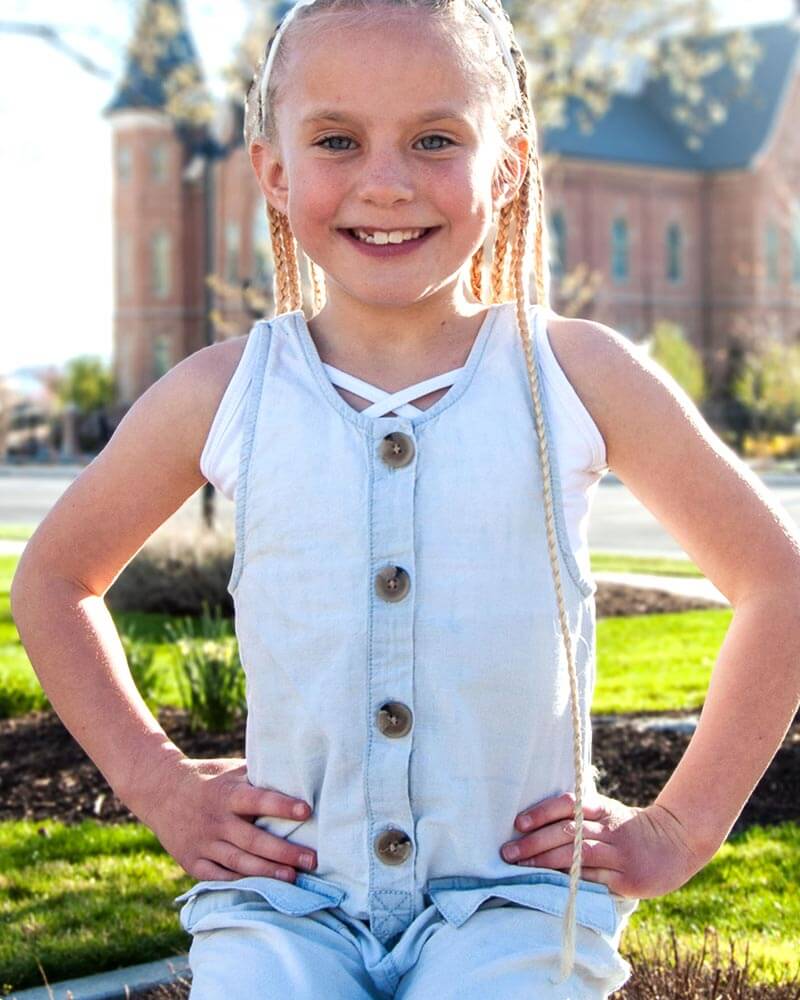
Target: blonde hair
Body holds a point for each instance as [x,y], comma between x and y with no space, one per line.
[507,280]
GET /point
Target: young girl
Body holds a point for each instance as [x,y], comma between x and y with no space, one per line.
[412,469]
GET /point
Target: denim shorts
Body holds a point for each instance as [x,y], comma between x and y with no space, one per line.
[259,937]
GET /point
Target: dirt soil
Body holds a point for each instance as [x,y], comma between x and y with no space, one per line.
[44,773]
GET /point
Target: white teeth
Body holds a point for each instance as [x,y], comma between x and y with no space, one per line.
[395,236]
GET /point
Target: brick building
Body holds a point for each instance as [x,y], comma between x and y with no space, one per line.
[708,236]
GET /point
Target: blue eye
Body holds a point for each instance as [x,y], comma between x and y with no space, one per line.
[331,138]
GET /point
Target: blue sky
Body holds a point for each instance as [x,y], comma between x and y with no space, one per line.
[55,151]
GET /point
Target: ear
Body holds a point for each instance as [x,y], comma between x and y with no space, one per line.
[270,173]
[509,178]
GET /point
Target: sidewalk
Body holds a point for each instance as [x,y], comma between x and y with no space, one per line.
[686,586]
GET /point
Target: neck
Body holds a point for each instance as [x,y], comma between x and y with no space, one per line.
[391,344]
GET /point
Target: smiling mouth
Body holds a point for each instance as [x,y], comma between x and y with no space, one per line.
[423,232]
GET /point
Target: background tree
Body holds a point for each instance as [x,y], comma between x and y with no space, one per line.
[669,347]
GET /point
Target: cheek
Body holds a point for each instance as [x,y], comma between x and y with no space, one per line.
[316,200]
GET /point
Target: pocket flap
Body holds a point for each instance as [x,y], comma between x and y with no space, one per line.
[305,895]
[458,897]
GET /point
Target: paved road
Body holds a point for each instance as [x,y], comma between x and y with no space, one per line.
[619,522]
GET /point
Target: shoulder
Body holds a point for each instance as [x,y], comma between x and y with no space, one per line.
[660,445]
[207,373]
[611,375]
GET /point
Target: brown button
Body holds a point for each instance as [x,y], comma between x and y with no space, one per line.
[392,583]
[393,847]
[394,719]
[397,449]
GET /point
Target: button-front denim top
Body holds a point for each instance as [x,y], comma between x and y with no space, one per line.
[398,626]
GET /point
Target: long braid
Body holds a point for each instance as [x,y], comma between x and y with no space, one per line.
[520,271]
[281,285]
[476,273]
[500,287]
[317,276]
[292,264]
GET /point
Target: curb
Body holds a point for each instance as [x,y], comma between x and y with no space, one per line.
[111,985]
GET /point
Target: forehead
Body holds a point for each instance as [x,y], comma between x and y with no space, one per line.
[393,64]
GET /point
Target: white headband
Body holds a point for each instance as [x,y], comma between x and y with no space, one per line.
[483,10]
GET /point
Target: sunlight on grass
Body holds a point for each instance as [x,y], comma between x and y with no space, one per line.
[610,562]
[84,899]
[16,532]
[748,892]
[657,662]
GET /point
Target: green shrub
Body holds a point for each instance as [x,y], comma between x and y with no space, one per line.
[209,675]
[140,656]
[176,572]
[670,348]
[17,697]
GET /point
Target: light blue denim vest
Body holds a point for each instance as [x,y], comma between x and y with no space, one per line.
[397,623]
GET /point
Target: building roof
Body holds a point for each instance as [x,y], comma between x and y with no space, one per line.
[640,128]
[162,44]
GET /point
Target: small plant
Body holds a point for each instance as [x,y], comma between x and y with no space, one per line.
[209,675]
[140,656]
[661,971]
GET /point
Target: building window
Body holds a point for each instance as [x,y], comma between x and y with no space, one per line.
[161,264]
[773,253]
[124,163]
[161,355]
[796,243]
[558,244]
[159,161]
[674,252]
[232,251]
[124,265]
[263,269]
[619,249]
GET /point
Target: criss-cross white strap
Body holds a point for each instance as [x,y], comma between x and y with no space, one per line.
[384,401]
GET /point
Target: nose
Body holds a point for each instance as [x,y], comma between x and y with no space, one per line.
[385,180]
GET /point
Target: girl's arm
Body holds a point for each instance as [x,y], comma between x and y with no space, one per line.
[142,476]
[739,536]
[151,465]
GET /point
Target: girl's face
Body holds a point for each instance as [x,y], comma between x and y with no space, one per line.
[381,126]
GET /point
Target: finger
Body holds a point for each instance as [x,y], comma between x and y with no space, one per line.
[261,843]
[606,876]
[248,800]
[594,854]
[553,809]
[242,863]
[555,835]
[206,870]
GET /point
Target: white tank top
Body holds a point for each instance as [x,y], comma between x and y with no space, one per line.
[580,446]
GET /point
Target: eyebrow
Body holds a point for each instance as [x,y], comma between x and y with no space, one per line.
[333,115]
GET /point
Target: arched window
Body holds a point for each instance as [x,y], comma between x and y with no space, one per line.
[558,244]
[161,264]
[674,252]
[796,243]
[263,267]
[161,355]
[124,265]
[773,253]
[619,249]
[232,251]
[124,163]
[159,159]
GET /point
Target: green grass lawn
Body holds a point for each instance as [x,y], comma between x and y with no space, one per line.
[92,897]
[16,532]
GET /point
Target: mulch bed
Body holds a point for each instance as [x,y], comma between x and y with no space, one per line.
[44,773]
